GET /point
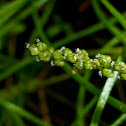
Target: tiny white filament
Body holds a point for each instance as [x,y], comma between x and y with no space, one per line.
[37,40]
[100,73]
[27,45]
[98,55]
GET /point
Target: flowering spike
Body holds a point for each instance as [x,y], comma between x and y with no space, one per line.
[79,58]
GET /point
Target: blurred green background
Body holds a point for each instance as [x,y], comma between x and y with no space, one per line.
[35,93]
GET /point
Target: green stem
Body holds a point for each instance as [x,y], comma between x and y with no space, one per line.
[114,30]
[120,120]
[12,8]
[38,25]
[114,12]
[22,113]
[85,111]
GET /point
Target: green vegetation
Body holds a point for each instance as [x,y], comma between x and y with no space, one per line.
[28,87]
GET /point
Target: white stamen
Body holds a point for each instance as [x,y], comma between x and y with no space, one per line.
[118,77]
[62,48]
[37,40]
[81,63]
[75,56]
[64,57]
[52,63]
[98,55]
[112,63]
[27,45]
[100,73]
[37,59]
[77,50]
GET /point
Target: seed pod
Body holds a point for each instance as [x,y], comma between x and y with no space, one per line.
[120,66]
[105,60]
[71,58]
[107,72]
[34,50]
[41,46]
[88,64]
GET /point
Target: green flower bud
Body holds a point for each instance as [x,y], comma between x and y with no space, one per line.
[34,50]
[51,49]
[45,56]
[57,55]
[41,46]
[59,63]
[67,51]
[71,58]
[107,72]
[88,64]
[123,76]
[120,66]
[105,60]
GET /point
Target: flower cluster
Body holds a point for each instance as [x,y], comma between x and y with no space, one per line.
[79,59]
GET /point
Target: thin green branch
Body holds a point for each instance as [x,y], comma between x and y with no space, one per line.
[12,8]
[119,121]
[85,111]
[23,113]
[114,12]
[113,29]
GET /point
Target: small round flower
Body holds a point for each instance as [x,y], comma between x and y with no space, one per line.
[105,60]
[120,66]
[45,56]
[41,46]
[51,49]
[34,50]
[83,54]
[70,58]
[88,64]
[57,55]
[67,51]
[123,76]
[59,63]
[107,72]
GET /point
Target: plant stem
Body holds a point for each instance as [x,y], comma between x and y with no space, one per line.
[120,120]
[22,113]
[114,12]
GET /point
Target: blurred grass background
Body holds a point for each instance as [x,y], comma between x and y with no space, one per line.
[34,93]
